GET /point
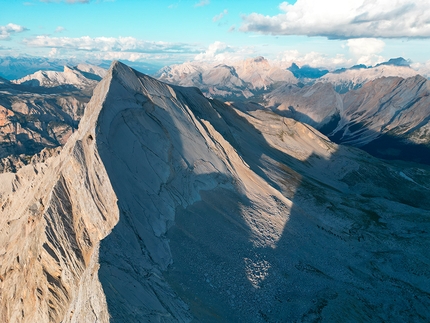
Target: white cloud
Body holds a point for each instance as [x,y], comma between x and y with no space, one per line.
[214,52]
[202,3]
[219,52]
[366,50]
[313,59]
[54,52]
[220,16]
[222,52]
[339,19]
[120,44]
[6,31]
[126,48]
[60,29]
[422,68]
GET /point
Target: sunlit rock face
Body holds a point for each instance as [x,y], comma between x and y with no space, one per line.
[55,211]
[233,80]
[166,206]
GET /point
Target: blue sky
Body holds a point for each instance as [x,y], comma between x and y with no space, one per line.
[330,33]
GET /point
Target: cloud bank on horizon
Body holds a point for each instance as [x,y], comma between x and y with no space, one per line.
[330,33]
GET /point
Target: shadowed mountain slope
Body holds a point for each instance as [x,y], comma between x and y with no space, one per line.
[388,117]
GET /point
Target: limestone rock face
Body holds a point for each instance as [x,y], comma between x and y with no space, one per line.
[263,75]
[165,206]
[54,215]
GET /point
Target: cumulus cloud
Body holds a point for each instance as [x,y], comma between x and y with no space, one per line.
[422,68]
[222,52]
[9,29]
[366,50]
[202,3]
[54,52]
[345,19]
[313,59]
[220,16]
[214,52]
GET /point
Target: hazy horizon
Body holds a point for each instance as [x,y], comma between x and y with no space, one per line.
[330,33]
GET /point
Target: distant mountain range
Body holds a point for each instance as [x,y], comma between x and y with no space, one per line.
[252,77]
[363,106]
[317,97]
[241,80]
[13,68]
[388,117]
[41,111]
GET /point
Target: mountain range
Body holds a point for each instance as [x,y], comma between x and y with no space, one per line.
[13,68]
[388,117]
[240,80]
[163,203]
[41,111]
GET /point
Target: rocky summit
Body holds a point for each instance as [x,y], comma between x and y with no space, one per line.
[167,206]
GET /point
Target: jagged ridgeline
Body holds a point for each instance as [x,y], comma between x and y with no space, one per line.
[166,206]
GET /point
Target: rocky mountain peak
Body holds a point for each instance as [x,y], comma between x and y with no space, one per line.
[399,61]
